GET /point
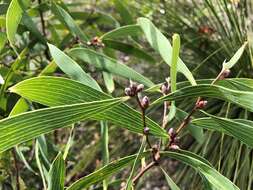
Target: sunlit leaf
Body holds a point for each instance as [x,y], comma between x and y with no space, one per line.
[108,64]
[241,98]
[26,126]
[71,68]
[162,45]
[57,174]
[55,91]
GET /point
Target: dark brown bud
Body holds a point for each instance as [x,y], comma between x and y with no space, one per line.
[146,131]
[201,104]
[139,88]
[145,102]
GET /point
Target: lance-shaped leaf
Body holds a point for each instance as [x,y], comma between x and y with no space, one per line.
[108,64]
[239,128]
[125,15]
[55,91]
[68,21]
[3,40]
[129,49]
[70,67]
[235,58]
[201,165]
[57,174]
[171,183]
[26,126]
[13,18]
[198,163]
[121,32]
[104,172]
[161,44]
[240,98]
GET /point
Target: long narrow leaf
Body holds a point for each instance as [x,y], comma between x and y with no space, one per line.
[161,44]
[26,126]
[55,91]
[241,98]
[70,67]
[57,174]
[108,64]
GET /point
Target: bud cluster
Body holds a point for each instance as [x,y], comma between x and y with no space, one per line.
[96,42]
[133,89]
[173,139]
[201,104]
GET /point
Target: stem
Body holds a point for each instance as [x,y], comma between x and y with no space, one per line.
[143,115]
[16,169]
[165,106]
[187,119]
[142,172]
[43,27]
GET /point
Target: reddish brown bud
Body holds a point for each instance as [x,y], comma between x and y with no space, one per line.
[146,131]
[145,102]
[226,73]
[201,104]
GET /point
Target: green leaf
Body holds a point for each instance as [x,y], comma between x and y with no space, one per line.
[109,83]
[129,49]
[71,68]
[173,72]
[235,58]
[13,18]
[124,12]
[174,61]
[108,64]
[171,183]
[28,22]
[55,91]
[3,40]
[20,107]
[57,174]
[26,126]
[124,31]
[240,98]
[68,21]
[201,165]
[103,173]
[161,44]
[129,183]
[238,128]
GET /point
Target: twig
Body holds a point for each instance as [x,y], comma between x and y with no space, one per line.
[187,119]
[143,115]
[43,27]
[16,169]
[223,73]
[143,171]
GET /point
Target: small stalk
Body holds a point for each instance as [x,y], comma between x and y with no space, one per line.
[16,169]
